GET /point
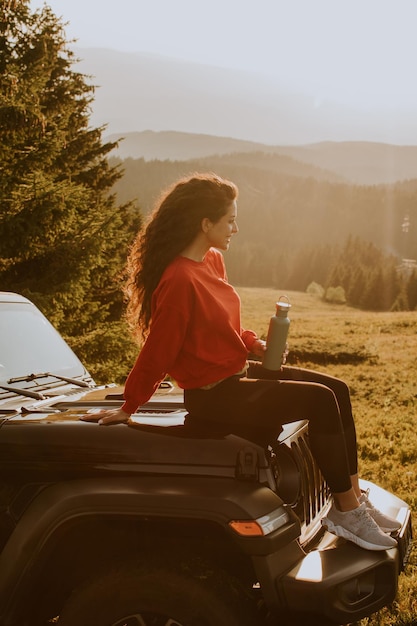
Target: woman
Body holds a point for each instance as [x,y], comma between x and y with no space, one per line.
[189,316]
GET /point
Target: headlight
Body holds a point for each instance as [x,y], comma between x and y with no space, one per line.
[261,526]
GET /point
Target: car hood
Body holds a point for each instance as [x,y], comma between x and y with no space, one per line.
[60,442]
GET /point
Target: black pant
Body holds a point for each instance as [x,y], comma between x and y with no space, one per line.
[257,405]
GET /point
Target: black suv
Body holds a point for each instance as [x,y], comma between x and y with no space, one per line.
[155,522]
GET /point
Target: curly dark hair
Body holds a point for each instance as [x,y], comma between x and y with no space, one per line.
[171,227]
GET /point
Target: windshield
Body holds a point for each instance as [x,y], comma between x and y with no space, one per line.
[29,343]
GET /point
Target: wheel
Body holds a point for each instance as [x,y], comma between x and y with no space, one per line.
[159,595]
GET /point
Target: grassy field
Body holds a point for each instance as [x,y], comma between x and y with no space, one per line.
[376,354]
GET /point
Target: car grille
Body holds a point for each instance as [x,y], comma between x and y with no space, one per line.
[300,482]
[314,491]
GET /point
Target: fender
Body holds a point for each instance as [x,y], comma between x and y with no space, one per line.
[219,501]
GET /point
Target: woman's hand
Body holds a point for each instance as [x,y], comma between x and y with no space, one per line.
[258,347]
[109,416]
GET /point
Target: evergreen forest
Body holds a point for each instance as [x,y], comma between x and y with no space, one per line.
[299,228]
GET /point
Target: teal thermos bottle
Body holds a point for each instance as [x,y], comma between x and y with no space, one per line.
[276,341]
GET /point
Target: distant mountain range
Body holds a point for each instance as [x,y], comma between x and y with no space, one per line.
[363,163]
[138,91]
[172,109]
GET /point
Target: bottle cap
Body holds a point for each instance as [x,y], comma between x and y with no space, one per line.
[283,306]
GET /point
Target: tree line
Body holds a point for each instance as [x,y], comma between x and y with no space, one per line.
[296,229]
[357,273]
[281,203]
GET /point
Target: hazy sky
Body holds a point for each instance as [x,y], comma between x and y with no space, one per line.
[360,52]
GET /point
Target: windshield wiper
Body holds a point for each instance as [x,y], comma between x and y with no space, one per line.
[30,377]
[24,392]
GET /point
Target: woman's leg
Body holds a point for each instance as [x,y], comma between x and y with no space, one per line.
[264,405]
[342,394]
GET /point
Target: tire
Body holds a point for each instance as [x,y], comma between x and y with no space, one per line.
[159,595]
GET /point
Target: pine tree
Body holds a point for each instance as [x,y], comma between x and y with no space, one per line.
[63,241]
[356,286]
[412,291]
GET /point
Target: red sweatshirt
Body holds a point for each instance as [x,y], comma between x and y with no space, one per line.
[195,334]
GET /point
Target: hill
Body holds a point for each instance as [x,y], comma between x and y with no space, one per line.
[362,163]
[286,207]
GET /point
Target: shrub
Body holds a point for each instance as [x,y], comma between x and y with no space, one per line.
[315,289]
[335,295]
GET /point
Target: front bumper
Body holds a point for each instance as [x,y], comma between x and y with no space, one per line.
[342,583]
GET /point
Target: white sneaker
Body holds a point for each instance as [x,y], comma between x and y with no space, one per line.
[359,527]
[386,523]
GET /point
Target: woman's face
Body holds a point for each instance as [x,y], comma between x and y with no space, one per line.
[220,233]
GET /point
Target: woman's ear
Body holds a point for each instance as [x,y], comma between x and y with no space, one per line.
[206,225]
